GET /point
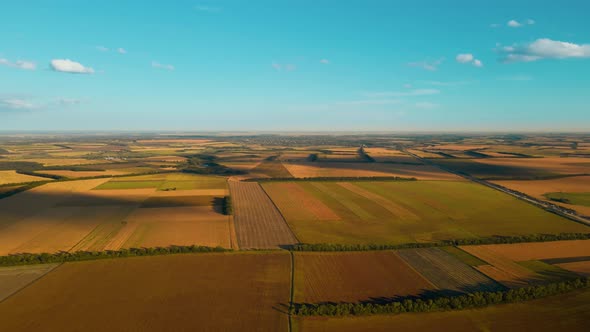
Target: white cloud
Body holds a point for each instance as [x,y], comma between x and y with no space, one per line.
[69,66]
[425,105]
[514,24]
[439,83]
[286,67]
[325,61]
[427,65]
[20,64]
[407,93]
[158,65]
[370,102]
[204,8]
[468,58]
[464,58]
[69,101]
[544,48]
[102,48]
[16,104]
[122,50]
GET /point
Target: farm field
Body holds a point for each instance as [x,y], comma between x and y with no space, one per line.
[364,169]
[401,212]
[566,312]
[521,264]
[12,177]
[258,223]
[14,278]
[176,292]
[355,277]
[446,272]
[557,187]
[71,216]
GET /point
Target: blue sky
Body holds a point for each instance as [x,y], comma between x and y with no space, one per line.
[295,65]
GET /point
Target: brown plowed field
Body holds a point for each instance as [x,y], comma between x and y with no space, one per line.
[446,271]
[201,292]
[14,278]
[581,268]
[540,250]
[258,223]
[355,276]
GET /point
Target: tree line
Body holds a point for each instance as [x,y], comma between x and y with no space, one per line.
[61,257]
[466,301]
[444,243]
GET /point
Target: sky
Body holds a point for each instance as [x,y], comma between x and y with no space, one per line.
[279,65]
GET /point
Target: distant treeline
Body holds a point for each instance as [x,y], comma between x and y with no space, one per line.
[459,242]
[467,301]
[60,257]
[338,179]
[364,155]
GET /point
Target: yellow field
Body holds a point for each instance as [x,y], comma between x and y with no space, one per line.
[345,169]
[7,177]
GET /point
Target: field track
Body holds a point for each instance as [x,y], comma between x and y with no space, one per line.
[446,271]
[258,223]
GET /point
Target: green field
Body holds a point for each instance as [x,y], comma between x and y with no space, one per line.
[401,212]
[172,181]
[570,198]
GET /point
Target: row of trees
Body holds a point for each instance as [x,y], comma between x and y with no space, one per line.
[60,257]
[226,206]
[458,242]
[467,301]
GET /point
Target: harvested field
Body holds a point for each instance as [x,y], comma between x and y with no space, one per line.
[179,201]
[82,174]
[537,188]
[359,169]
[566,312]
[153,227]
[354,277]
[447,272]
[246,292]
[272,169]
[538,250]
[15,278]
[10,177]
[501,268]
[402,212]
[581,268]
[129,185]
[258,223]
[549,272]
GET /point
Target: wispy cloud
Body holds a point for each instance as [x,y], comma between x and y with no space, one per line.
[15,104]
[121,50]
[427,65]
[20,64]
[468,58]
[450,83]
[543,48]
[516,24]
[69,66]
[426,105]
[205,8]
[156,64]
[325,61]
[102,48]
[405,93]
[285,67]
[26,103]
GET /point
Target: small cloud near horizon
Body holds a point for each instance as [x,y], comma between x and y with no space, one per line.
[156,64]
[69,66]
[20,64]
[427,65]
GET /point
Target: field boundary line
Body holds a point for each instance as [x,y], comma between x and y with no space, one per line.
[292,291]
